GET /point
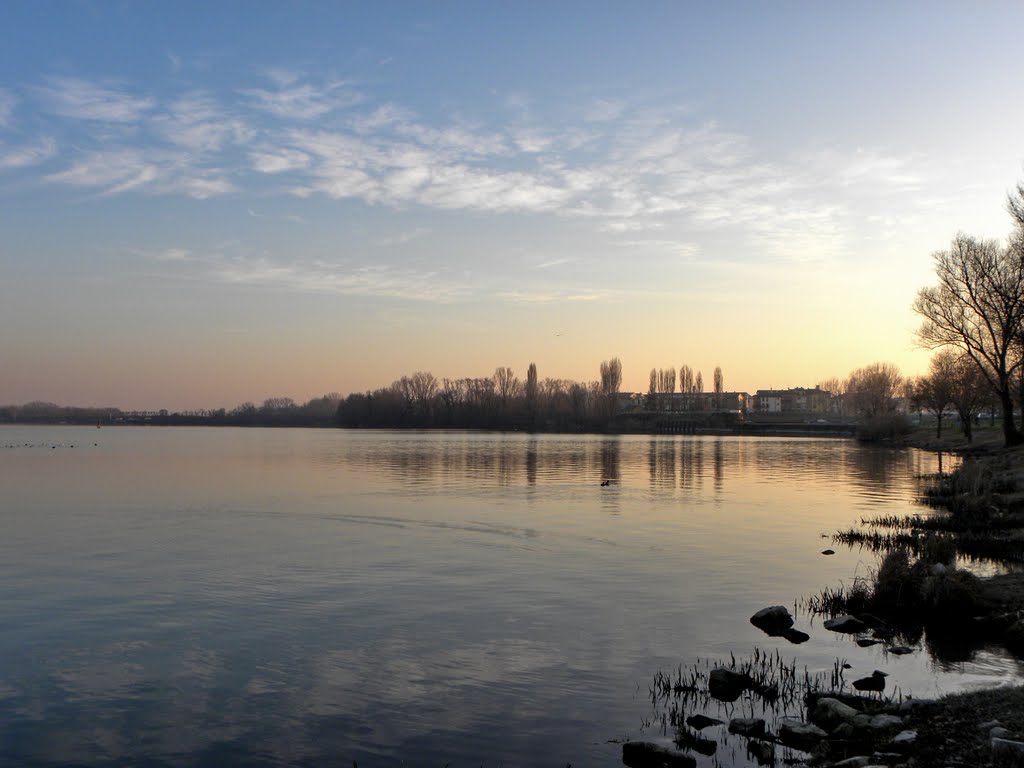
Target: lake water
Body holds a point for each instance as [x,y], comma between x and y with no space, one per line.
[209,597]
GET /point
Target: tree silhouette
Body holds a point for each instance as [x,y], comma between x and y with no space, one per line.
[978,308]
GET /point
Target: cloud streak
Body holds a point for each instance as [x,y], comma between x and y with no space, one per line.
[105,101]
[623,169]
[27,155]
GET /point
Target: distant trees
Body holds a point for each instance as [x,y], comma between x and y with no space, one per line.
[532,391]
[719,387]
[934,392]
[666,385]
[686,386]
[611,380]
[977,307]
[498,401]
[505,384]
[872,392]
[873,389]
[969,393]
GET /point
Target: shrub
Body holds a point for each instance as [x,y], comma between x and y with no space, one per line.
[885,426]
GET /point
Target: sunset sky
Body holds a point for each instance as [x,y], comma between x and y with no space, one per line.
[206,203]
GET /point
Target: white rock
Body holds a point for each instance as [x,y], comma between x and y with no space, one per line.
[904,738]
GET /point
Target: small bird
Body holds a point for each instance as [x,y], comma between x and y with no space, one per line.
[876,682]
[605,482]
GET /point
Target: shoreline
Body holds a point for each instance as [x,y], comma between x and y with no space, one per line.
[982,500]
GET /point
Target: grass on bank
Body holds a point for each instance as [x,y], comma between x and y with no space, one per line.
[948,732]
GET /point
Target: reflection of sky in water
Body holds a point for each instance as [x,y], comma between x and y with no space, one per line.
[290,597]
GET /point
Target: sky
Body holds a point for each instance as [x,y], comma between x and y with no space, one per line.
[207,203]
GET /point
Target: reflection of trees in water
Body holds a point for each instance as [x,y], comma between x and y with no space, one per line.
[661,462]
[499,460]
[678,463]
[531,461]
[718,465]
[611,461]
[691,463]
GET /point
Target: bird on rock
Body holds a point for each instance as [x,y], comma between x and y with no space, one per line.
[876,682]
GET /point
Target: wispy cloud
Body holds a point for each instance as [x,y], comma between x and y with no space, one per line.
[196,122]
[553,263]
[113,172]
[279,160]
[292,99]
[7,102]
[123,170]
[403,238]
[27,155]
[107,101]
[320,277]
[165,254]
[622,168]
[603,110]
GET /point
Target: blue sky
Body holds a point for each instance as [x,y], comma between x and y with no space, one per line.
[208,203]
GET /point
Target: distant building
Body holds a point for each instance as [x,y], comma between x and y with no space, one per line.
[798,400]
[701,402]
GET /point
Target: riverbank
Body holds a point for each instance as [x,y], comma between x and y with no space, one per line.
[980,516]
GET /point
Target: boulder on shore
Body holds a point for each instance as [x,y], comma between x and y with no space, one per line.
[747,726]
[800,735]
[644,754]
[848,624]
[700,722]
[795,636]
[773,620]
[726,685]
[831,713]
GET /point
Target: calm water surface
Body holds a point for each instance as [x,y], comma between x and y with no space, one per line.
[206,597]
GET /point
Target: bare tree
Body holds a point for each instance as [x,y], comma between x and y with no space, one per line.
[874,388]
[451,395]
[969,393]
[978,308]
[532,390]
[1015,205]
[666,384]
[934,392]
[505,384]
[652,390]
[698,383]
[834,385]
[422,387]
[611,380]
[686,385]
[719,384]
[278,404]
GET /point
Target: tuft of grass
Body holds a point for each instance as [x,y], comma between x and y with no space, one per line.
[778,689]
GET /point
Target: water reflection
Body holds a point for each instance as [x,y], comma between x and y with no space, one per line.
[678,464]
[298,598]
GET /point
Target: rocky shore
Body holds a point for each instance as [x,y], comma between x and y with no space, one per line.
[918,588]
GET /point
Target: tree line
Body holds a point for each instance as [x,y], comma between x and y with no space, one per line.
[273,412]
[499,401]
